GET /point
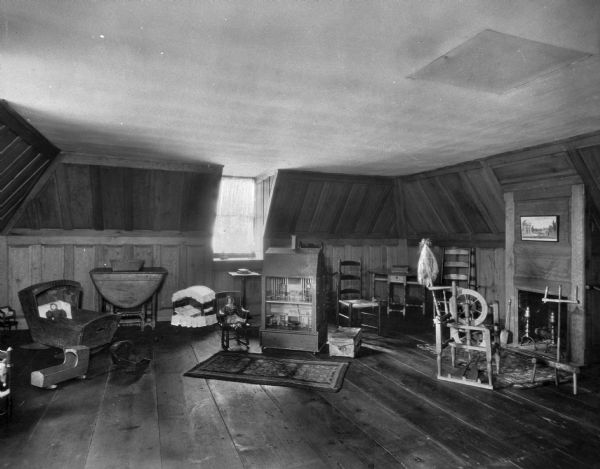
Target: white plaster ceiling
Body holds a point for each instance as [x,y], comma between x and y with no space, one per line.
[316,85]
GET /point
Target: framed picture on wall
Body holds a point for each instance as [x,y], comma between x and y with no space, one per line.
[539,228]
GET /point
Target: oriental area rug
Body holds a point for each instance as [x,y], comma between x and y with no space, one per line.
[515,370]
[320,375]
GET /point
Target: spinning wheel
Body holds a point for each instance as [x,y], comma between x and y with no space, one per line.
[463,311]
[471,307]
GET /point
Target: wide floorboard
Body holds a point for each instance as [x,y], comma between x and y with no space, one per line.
[390,412]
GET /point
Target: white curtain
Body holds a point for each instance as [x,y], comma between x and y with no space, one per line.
[234,225]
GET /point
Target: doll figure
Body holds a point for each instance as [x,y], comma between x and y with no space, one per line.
[4,391]
[230,315]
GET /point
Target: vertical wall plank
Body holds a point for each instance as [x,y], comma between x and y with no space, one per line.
[110,252]
[376,258]
[222,281]
[356,252]
[53,263]
[3,271]
[73,258]
[19,276]
[579,326]
[393,256]
[35,259]
[85,260]
[169,259]
[509,266]
[198,272]
[490,271]
[182,267]
[70,262]
[499,254]
[144,252]
[337,253]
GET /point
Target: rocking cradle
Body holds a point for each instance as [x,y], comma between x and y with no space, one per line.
[463,311]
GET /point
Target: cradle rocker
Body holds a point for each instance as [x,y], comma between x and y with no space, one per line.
[75,365]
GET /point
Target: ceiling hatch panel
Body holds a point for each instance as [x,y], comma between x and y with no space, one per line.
[495,62]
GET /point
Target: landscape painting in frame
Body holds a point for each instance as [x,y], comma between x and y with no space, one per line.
[539,228]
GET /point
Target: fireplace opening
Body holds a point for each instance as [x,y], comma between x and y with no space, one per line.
[538,321]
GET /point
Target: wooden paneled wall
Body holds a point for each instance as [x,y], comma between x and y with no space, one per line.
[381,255]
[45,256]
[102,197]
[489,271]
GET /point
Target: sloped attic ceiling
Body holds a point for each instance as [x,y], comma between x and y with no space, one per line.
[258,85]
[83,196]
[25,156]
[321,206]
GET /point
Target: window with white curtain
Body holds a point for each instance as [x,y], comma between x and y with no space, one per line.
[233,235]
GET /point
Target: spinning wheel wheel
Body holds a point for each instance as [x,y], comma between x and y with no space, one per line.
[468,308]
[471,307]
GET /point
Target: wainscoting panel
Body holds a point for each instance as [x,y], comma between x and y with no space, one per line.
[39,258]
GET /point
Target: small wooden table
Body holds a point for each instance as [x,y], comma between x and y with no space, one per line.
[243,276]
[129,293]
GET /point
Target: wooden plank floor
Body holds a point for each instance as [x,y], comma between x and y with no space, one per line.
[391,412]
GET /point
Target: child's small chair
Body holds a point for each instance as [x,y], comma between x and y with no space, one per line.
[5,377]
[232,318]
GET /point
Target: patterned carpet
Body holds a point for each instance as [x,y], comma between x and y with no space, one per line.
[515,370]
[254,368]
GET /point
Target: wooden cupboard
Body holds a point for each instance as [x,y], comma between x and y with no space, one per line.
[293,315]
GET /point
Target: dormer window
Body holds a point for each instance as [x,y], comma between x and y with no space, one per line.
[233,236]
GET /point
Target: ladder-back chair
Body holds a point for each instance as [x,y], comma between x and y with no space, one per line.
[458,265]
[351,306]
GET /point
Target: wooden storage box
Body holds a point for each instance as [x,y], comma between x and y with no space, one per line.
[345,342]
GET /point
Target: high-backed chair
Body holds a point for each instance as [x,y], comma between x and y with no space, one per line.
[232,318]
[54,316]
[458,265]
[351,306]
